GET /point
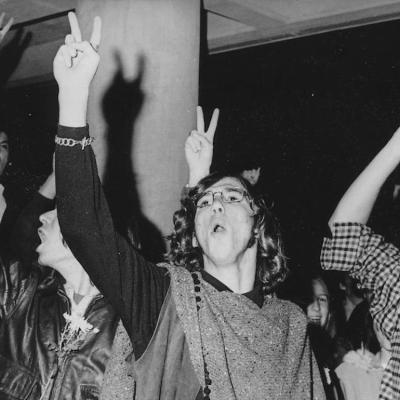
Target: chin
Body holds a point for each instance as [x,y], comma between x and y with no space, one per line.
[222,259]
[221,254]
[43,258]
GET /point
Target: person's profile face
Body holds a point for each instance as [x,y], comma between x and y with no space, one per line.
[318,309]
[52,249]
[224,221]
[4,151]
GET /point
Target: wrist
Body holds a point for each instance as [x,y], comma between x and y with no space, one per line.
[73,90]
[194,178]
[73,107]
[48,188]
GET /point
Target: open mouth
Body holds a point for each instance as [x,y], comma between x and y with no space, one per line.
[217,228]
[41,234]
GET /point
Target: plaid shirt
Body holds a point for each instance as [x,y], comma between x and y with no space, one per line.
[375,264]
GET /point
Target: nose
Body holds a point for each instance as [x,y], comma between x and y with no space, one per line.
[218,205]
[315,306]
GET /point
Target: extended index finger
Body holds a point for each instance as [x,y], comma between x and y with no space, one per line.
[213,125]
[7,26]
[75,30]
[96,33]
[200,120]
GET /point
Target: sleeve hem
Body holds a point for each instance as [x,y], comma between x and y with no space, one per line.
[73,133]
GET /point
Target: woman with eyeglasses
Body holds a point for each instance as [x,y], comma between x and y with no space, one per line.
[205,323]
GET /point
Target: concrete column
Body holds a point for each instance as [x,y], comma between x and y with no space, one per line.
[148,72]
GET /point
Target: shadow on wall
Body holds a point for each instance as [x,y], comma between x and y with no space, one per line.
[122,104]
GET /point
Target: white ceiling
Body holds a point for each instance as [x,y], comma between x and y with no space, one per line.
[231,24]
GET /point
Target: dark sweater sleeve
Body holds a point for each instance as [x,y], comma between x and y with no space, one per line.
[135,287]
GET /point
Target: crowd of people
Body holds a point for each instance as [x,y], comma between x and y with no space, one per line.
[206,323]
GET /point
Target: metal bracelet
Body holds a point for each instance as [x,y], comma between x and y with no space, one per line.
[72,142]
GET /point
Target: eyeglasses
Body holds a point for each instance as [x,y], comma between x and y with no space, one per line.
[228,195]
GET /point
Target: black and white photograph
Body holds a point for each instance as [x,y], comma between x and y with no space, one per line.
[199,199]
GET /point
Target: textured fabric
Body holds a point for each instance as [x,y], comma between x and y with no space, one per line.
[250,353]
[118,381]
[376,265]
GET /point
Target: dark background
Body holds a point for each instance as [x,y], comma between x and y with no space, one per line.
[310,111]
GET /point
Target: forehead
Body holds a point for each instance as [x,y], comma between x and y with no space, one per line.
[226,182]
[319,288]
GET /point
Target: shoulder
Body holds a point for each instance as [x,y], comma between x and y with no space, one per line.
[287,305]
[175,272]
[16,284]
[288,309]
[344,370]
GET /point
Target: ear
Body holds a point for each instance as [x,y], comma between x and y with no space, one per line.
[195,243]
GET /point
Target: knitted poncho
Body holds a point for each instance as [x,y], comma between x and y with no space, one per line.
[241,351]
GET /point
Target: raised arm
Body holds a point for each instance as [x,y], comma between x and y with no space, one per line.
[83,214]
[355,248]
[199,148]
[357,203]
[135,287]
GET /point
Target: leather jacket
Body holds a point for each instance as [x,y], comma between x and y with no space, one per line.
[33,363]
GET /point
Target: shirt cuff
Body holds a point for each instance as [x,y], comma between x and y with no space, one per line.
[73,133]
[341,251]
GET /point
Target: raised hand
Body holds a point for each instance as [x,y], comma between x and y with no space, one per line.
[76,61]
[6,27]
[199,147]
[252,175]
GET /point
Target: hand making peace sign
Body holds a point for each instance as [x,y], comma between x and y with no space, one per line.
[199,147]
[76,61]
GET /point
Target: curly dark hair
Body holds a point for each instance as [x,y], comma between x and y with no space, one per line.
[271,262]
